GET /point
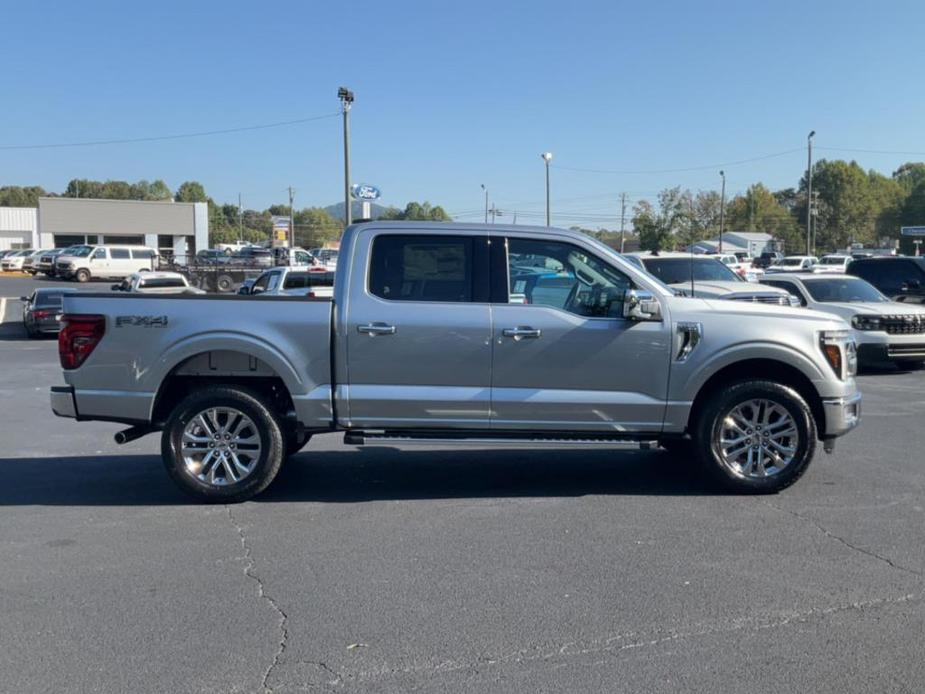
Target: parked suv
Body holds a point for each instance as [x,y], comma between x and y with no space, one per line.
[82,263]
[902,278]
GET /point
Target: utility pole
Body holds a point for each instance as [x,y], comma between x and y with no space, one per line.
[622,221]
[547,157]
[291,219]
[722,212]
[486,202]
[240,220]
[495,212]
[809,193]
[346,100]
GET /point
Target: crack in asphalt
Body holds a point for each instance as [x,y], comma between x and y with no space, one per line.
[627,641]
[860,550]
[263,595]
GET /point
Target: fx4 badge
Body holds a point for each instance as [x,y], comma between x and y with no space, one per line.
[141,321]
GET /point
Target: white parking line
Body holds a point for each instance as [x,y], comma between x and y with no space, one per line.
[2,308]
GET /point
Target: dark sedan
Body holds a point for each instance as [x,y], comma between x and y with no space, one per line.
[41,309]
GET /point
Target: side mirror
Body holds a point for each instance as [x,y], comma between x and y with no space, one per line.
[640,305]
[116,287]
[24,299]
[256,290]
[244,290]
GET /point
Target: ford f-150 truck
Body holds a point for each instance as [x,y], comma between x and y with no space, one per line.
[450,332]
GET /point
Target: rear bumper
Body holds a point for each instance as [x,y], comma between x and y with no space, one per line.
[841,414]
[62,401]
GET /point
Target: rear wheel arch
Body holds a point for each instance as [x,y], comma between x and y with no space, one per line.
[760,370]
[241,370]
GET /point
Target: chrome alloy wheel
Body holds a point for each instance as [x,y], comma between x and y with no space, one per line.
[220,446]
[757,439]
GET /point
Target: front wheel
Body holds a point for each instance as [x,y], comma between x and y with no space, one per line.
[756,437]
[222,444]
[82,275]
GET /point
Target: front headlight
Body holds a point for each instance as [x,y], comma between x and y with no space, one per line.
[835,347]
[861,322]
[793,300]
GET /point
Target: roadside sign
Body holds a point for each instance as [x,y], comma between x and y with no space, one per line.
[363,191]
[280,222]
[913,231]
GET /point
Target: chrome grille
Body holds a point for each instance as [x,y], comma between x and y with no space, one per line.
[903,324]
[775,299]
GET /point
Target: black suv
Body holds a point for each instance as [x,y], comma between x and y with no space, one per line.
[902,278]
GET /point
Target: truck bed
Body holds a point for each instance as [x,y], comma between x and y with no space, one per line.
[149,338]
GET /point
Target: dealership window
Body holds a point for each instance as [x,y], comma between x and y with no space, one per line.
[124,240]
[65,240]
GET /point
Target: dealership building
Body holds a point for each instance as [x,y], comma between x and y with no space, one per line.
[178,228]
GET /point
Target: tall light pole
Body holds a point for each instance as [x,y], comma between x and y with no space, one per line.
[547,157]
[486,202]
[809,192]
[722,211]
[346,100]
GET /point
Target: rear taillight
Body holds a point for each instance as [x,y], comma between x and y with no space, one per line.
[79,336]
[41,313]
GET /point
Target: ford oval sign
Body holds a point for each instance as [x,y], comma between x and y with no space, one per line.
[361,191]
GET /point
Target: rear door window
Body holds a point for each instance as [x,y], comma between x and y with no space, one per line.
[422,268]
[119,253]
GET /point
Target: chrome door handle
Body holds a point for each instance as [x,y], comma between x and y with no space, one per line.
[376,329]
[521,332]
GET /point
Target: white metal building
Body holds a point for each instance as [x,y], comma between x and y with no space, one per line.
[172,227]
[17,227]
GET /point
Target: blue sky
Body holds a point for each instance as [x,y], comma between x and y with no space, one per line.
[453,95]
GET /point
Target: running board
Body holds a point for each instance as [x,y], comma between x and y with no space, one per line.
[507,438]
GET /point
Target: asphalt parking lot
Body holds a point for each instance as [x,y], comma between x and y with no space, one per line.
[454,569]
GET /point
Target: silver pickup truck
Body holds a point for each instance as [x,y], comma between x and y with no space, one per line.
[450,332]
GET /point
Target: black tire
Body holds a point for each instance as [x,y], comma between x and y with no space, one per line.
[224,284]
[82,275]
[708,427]
[31,333]
[267,427]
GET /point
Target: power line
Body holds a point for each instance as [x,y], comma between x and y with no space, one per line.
[158,138]
[681,170]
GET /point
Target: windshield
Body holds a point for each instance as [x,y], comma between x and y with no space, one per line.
[846,290]
[678,270]
[79,251]
[162,282]
[791,262]
[833,260]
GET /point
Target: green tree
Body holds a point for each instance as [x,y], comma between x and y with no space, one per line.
[910,175]
[191,191]
[415,211]
[21,196]
[760,210]
[657,226]
[314,227]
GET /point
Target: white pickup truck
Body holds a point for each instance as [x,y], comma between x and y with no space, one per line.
[448,332]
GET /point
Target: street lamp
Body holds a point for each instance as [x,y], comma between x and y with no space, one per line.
[722,211]
[547,157]
[346,100]
[809,192]
[486,202]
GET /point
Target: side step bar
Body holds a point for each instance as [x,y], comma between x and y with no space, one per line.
[489,438]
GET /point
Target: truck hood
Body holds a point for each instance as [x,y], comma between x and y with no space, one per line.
[682,307]
[720,289]
[886,308]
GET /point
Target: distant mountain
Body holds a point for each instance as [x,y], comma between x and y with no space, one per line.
[337,210]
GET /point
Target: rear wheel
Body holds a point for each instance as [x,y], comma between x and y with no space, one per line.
[755,437]
[222,444]
[224,283]
[82,275]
